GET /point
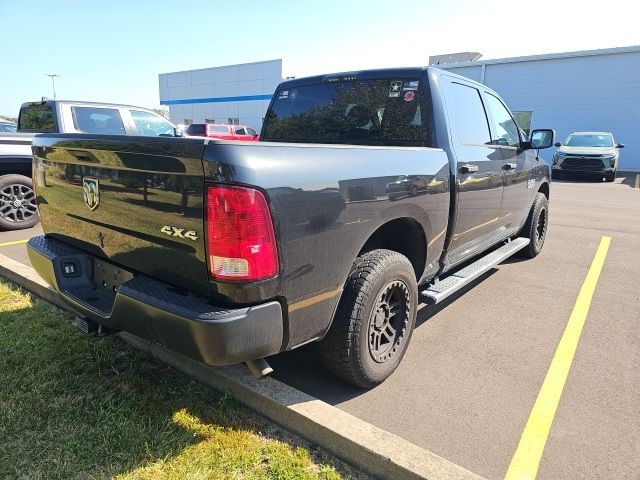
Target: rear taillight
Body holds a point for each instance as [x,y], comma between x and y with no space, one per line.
[241,244]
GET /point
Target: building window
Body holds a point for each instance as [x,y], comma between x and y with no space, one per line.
[210,120]
[234,121]
[523,119]
[188,121]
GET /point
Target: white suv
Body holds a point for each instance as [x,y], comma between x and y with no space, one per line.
[593,153]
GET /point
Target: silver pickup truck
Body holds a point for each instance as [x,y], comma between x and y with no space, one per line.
[17,199]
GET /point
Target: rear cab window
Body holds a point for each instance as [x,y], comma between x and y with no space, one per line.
[389,112]
[98,120]
[37,117]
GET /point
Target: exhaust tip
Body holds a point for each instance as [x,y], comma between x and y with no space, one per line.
[259,367]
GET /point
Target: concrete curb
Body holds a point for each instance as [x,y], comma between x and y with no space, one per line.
[27,277]
[366,447]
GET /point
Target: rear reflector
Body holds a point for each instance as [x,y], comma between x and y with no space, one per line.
[241,244]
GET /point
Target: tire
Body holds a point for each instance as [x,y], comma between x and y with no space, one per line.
[555,175]
[610,177]
[536,226]
[366,341]
[24,214]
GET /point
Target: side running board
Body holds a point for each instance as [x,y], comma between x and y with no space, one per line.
[456,280]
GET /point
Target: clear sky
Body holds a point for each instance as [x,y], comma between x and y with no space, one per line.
[114,50]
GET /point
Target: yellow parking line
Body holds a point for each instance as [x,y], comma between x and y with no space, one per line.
[638,180]
[526,460]
[17,242]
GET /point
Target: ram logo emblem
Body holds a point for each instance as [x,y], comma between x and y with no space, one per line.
[91,192]
[179,232]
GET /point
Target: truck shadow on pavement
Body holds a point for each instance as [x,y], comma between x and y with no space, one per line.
[302,369]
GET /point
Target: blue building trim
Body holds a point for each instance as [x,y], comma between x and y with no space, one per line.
[243,98]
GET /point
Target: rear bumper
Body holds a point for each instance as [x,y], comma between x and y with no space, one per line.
[156,311]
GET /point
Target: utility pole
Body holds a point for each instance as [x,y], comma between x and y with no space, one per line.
[53,82]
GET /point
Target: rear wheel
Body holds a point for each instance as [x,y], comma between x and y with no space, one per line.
[535,229]
[374,321]
[17,203]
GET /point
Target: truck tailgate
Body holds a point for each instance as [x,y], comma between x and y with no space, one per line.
[136,202]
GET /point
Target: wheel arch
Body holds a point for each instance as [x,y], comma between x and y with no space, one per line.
[544,189]
[404,235]
[15,166]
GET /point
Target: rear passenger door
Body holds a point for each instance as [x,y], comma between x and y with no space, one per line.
[505,134]
[479,182]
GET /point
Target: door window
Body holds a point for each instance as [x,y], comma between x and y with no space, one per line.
[251,131]
[469,116]
[241,131]
[523,119]
[505,128]
[98,120]
[151,125]
[196,129]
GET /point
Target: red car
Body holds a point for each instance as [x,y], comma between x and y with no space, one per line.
[223,132]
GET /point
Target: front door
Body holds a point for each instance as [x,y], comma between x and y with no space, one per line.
[479,182]
[518,193]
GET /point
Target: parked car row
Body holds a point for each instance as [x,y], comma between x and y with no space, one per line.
[594,153]
[17,198]
[223,131]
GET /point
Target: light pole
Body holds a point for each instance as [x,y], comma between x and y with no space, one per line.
[53,82]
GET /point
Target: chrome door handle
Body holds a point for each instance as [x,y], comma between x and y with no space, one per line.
[468,168]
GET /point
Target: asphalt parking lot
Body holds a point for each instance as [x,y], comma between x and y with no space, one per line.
[476,363]
[467,384]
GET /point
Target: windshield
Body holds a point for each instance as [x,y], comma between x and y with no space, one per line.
[37,118]
[370,112]
[591,140]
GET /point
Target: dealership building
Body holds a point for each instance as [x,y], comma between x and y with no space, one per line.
[591,90]
[234,94]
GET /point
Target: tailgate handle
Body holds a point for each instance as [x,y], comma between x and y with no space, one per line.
[468,168]
[509,166]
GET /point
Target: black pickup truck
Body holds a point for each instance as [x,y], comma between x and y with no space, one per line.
[231,251]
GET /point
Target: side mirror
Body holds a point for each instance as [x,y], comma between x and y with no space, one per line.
[542,138]
[620,145]
[557,144]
